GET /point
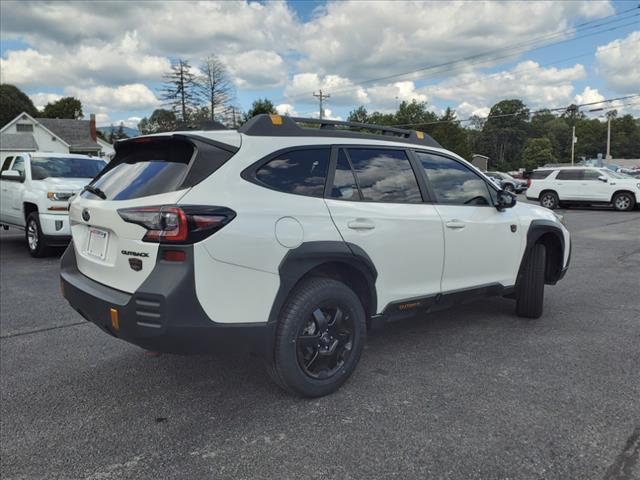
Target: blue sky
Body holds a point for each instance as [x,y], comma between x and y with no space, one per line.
[112,55]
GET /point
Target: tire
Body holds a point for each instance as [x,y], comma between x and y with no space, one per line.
[549,200]
[531,289]
[624,202]
[317,348]
[36,243]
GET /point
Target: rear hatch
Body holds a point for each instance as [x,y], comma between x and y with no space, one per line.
[145,172]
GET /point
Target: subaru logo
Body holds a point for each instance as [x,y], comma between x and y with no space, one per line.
[86,216]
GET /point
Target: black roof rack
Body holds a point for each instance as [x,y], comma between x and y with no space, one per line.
[283,126]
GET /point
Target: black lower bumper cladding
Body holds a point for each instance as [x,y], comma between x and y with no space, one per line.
[164,314]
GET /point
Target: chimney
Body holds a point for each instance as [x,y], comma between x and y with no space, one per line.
[92,127]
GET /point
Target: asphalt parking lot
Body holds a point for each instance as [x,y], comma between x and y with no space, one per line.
[471,393]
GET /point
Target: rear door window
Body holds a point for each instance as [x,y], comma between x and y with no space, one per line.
[384,175]
[539,174]
[6,163]
[302,172]
[570,175]
[344,181]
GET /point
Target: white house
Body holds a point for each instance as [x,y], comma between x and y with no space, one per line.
[60,135]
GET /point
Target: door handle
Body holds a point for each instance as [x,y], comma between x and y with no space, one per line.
[455,224]
[361,224]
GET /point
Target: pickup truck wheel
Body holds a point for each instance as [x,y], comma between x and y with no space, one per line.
[321,334]
[549,200]
[623,202]
[35,239]
[531,289]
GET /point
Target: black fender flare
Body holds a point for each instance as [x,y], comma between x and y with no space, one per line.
[309,255]
[538,228]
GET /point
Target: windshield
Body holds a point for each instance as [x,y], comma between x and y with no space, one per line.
[613,174]
[61,167]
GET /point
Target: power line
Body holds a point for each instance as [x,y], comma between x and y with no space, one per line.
[556,109]
[513,50]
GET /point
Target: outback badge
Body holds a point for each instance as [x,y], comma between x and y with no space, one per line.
[135,264]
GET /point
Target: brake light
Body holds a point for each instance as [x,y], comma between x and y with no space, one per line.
[184,224]
[529,182]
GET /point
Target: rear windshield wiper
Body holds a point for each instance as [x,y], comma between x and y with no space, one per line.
[95,190]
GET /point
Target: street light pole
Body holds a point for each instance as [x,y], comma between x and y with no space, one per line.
[573,110]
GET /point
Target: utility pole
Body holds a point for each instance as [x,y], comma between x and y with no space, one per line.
[572,110]
[321,96]
[610,116]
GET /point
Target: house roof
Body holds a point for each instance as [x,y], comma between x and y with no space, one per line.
[18,142]
[77,133]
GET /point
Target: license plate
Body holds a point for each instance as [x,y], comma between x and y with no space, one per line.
[97,244]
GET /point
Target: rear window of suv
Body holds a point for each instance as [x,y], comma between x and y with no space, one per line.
[539,174]
[302,172]
[151,166]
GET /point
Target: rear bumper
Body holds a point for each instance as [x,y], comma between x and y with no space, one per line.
[163,315]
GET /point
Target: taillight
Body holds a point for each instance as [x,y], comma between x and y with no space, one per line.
[529,182]
[184,224]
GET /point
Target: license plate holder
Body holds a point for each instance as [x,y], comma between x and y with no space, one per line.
[97,243]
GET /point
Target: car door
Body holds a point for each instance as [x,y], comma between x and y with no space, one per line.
[483,246]
[12,189]
[4,191]
[568,184]
[376,204]
[594,189]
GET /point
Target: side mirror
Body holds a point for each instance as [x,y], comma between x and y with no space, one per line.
[505,200]
[13,175]
[603,178]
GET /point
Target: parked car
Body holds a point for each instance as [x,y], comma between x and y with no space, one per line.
[36,188]
[295,241]
[554,187]
[508,183]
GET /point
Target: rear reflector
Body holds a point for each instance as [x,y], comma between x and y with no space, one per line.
[174,255]
[115,322]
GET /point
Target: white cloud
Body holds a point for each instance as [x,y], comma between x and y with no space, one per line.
[588,95]
[537,86]
[286,109]
[364,40]
[102,99]
[41,99]
[257,69]
[618,63]
[342,90]
[466,110]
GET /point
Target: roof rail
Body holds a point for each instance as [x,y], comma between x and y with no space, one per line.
[283,126]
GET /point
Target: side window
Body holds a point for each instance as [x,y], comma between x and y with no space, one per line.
[18,165]
[539,174]
[6,163]
[452,182]
[344,182]
[591,175]
[298,171]
[384,175]
[570,174]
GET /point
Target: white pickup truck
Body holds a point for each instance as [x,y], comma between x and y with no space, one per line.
[35,190]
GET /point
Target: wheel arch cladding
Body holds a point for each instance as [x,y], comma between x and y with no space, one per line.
[550,235]
[618,192]
[333,259]
[28,208]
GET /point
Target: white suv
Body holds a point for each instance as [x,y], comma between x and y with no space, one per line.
[36,188]
[555,187]
[295,241]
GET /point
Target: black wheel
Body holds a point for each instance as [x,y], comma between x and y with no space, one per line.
[321,334]
[623,202]
[549,200]
[35,239]
[531,289]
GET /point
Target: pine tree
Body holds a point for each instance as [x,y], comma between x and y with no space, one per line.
[179,91]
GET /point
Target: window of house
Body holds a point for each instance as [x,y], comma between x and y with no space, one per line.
[24,127]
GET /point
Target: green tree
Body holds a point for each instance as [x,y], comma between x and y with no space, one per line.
[359,115]
[537,152]
[625,137]
[415,116]
[67,107]
[159,121]
[13,102]
[180,89]
[451,135]
[260,106]
[505,133]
